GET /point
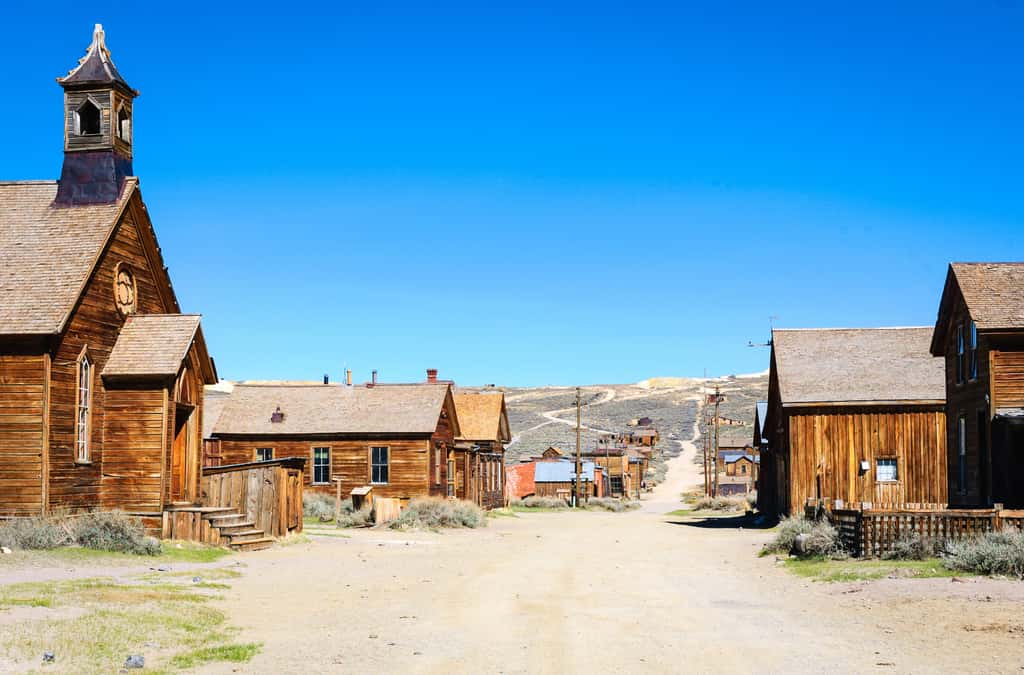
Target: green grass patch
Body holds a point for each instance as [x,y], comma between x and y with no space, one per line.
[162,619]
[170,552]
[502,513]
[818,569]
[687,513]
[538,509]
[236,653]
[328,533]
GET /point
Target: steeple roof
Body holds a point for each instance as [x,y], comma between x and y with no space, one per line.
[96,67]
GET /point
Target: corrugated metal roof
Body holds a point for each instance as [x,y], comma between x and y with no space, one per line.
[560,472]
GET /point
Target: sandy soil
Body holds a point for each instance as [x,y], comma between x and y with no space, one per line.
[596,592]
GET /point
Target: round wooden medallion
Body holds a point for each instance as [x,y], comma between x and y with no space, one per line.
[124,289]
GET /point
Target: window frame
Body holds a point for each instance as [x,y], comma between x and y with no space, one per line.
[373,463]
[451,469]
[892,461]
[256,454]
[88,100]
[961,444]
[312,452]
[972,352]
[960,353]
[83,437]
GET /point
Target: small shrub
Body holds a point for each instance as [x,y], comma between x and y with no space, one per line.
[992,553]
[544,503]
[751,500]
[31,534]
[610,504]
[355,518]
[318,505]
[724,504]
[785,538]
[432,513]
[910,546]
[823,541]
[113,531]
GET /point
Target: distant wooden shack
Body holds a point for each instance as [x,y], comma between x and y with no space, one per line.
[855,415]
[397,438]
[979,333]
[479,455]
[557,479]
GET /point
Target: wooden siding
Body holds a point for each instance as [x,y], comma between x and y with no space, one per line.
[1007,379]
[826,446]
[410,460]
[23,414]
[94,324]
[133,440]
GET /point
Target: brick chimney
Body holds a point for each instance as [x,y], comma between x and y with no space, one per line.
[431,375]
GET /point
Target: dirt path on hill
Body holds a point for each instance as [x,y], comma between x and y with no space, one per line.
[598,592]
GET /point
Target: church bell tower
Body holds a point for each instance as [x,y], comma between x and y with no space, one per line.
[97,129]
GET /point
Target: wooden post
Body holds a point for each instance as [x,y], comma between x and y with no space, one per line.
[579,449]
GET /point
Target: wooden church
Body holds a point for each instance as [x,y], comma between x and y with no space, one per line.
[101,375]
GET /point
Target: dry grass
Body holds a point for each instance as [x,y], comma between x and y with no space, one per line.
[547,503]
[993,553]
[91,625]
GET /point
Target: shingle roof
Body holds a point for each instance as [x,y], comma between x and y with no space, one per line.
[480,416]
[96,67]
[994,293]
[47,254]
[333,409]
[213,404]
[560,472]
[849,365]
[152,344]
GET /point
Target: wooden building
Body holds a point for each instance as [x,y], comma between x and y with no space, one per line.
[979,333]
[557,479]
[101,375]
[478,460]
[397,438]
[855,415]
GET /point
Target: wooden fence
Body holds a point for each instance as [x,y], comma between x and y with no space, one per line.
[872,533]
[269,493]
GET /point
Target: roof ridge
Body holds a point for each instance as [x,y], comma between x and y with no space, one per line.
[797,330]
[40,181]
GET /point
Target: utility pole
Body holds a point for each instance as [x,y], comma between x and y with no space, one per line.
[717,398]
[579,448]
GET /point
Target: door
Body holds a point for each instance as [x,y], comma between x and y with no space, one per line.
[184,459]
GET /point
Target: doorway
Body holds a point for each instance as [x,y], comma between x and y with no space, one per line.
[184,469]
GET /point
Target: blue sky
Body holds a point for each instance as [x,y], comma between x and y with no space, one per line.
[585,193]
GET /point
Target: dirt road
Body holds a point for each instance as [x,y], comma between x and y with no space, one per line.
[595,592]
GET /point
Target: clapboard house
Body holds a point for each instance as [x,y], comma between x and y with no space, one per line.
[101,374]
[477,464]
[979,333]
[395,438]
[854,416]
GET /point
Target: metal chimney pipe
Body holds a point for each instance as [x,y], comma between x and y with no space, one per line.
[373,377]
[348,377]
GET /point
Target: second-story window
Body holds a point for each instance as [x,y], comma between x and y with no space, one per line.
[972,361]
[960,354]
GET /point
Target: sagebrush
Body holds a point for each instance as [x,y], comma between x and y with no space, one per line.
[318,505]
[544,503]
[353,517]
[724,504]
[910,545]
[100,530]
[821,539]
[433,513]
[609,504]
[993,553]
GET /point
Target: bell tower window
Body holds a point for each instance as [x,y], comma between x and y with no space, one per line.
[88,119]
[124,125]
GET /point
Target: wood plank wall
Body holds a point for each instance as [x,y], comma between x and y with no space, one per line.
[826,446]
[95,323]
[133,437]
[23,397]
[411,462]
[1008,379]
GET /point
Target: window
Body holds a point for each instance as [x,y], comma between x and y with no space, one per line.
[264,454]
[124,124]
[321,466]
[437,467]
[743,469]
[379,466]
[451,476]
[972,365]
[961,444]
[83,409]
[87,119]
[885,470]
[960,354]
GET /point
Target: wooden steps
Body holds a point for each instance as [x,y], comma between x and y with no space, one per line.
[217,525]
